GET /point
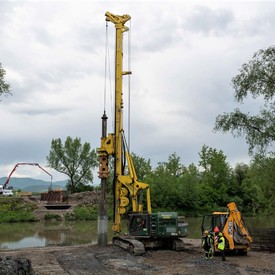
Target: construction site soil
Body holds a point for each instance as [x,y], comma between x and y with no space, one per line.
[92,259]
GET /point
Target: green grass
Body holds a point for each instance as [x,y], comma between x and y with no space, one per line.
[82,212]
[16,210]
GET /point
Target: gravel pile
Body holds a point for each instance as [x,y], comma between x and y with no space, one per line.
[15,265]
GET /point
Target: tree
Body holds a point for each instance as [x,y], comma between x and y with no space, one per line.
[143,167]
[165,183]
[240,172]
[74,160]
[216,178]
[189,189]
[174,187]
[4,87]
[256,79]
[259,185]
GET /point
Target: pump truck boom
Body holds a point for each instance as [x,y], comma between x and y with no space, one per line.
[22,164]
[146,229]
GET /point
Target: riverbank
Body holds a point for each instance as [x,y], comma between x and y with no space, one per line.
[33,208]
[91,259]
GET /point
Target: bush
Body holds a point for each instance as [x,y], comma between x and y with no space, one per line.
[50,217]
[69,217]
[16,210]
[18,216]
[82,212]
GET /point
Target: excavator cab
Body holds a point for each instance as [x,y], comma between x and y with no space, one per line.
[139,224]
[214,222]
[160,224]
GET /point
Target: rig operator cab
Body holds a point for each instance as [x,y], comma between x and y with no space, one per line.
[130,196]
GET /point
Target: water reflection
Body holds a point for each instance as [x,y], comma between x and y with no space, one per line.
[25,242]
[20,235]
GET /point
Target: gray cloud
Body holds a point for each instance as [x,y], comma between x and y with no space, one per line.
[208,20]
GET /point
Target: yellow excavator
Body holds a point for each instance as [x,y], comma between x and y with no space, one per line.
[132,197]
[232,225]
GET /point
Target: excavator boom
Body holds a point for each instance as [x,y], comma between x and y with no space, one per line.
[235,230]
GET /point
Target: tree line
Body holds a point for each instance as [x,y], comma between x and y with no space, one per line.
[211,185]
[190,190]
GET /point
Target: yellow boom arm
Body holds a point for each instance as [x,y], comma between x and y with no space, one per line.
[127,189]
[235,226]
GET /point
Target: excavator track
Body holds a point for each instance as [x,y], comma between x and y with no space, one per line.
[178,244]
[132,245]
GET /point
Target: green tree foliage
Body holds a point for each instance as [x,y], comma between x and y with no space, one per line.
[173,186]
[215,168]
[142,166]
[211,185]
[190,192]
[257,80]
[259,186]
[165,180]
[240,172]
[219,184]
[236,190]
[74,160]
[4,87]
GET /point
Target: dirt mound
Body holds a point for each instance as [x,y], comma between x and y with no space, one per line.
[89,197]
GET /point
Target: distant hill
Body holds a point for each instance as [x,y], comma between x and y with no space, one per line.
[33,185]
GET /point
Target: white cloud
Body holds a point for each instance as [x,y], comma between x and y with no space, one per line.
[184,56]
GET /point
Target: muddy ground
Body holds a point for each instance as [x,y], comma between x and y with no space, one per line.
[91,259]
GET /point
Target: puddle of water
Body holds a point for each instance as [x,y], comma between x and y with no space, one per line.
[26,242]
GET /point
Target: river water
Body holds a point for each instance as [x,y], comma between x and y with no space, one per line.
[22,235]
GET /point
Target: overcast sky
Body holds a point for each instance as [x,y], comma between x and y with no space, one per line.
[183,57]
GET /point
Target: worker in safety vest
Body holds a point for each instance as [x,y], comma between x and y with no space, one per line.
[221,245]
[207,242]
